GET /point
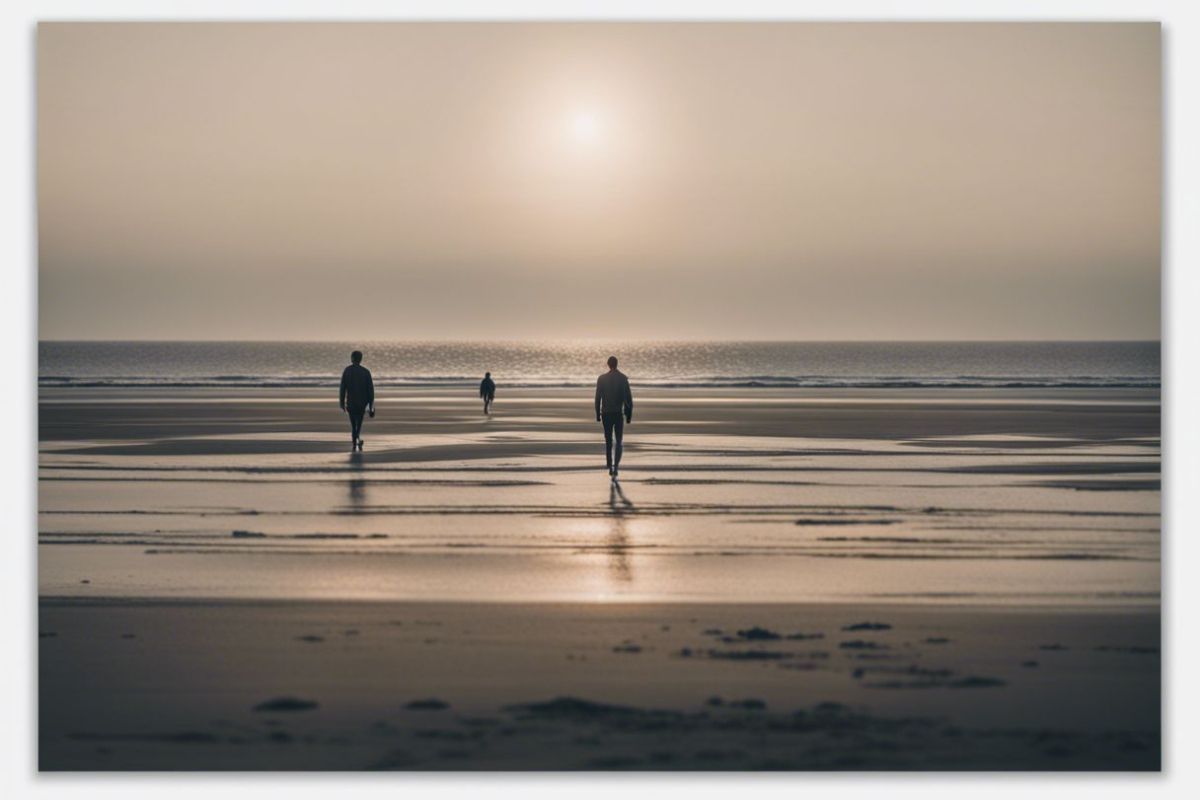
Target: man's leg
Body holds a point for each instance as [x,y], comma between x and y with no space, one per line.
[608,441]
[356,420]
[619,434]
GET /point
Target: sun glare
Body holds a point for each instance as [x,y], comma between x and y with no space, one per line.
[585,127]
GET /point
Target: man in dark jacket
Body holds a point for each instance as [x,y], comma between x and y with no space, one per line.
[487,390]
[356,396]
[614,407]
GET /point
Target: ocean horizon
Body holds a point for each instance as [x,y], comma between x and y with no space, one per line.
[667,364]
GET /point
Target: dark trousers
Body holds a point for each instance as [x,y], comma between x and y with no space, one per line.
[614,430]
[356,418]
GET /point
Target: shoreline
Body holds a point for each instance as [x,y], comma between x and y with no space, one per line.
[721,498]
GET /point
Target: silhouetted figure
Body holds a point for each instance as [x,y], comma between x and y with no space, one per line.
[614,407]
[357,396]
[487,390]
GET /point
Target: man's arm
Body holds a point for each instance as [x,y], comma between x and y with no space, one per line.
[370,391]
[342,392]
[597,400]
[628,402]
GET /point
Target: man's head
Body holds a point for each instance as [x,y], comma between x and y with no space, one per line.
[612,362]
[487,374]
[356,356]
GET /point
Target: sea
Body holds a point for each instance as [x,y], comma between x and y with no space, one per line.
[715,364]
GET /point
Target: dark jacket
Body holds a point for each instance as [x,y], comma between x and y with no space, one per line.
[613,395]
[487,388]
[358,391]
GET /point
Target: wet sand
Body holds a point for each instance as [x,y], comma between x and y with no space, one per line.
[202,553]
[151,413]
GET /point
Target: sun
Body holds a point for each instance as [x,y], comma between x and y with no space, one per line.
[586,127]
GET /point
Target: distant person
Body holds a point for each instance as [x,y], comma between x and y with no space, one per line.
[356,396]
[487,390]
[614,407]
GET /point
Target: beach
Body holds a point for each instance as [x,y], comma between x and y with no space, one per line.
[877,307]
[787,578]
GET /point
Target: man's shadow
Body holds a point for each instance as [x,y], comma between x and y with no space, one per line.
[357,483]
[617,544]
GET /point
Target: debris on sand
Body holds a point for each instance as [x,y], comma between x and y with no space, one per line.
[310,638]
[248,535]
[867,626]
[286,704]
[758,634]
[573,708]
[915,677]
[429,704]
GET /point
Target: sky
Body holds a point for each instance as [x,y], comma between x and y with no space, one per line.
[597,180]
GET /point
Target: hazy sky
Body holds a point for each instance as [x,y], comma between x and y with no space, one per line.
[788,181]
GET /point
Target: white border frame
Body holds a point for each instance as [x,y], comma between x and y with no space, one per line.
[1181,432]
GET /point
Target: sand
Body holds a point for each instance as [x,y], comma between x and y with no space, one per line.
[224,586]
[253,685]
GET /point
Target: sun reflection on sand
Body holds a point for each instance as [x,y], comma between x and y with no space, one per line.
[617,544]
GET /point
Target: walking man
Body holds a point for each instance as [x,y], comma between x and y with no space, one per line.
[487,390]
[614,408]
[356,396]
